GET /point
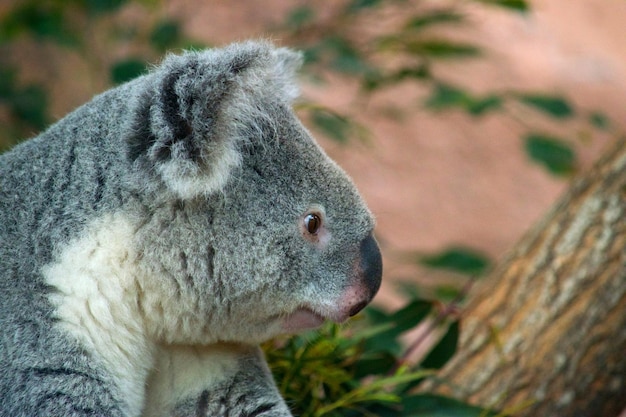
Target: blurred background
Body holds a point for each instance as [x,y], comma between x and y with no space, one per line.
[460,121]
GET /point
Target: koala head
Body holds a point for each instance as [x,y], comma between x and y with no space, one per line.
[244,222]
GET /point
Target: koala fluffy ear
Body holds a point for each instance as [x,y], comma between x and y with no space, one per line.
[196,110]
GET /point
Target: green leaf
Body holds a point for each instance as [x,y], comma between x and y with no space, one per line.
[404,319]
[430,405]
[411,315]
[374,364]
[408,289]
[331,124]
[165,35]
[102,6]
[127,69]
[384,343]
[29,104]
[43,21]
[517,5]
[445,96]
[551,152]
[358,5]
[478,107]
[441,49]
[299,17]
[447,293]
[428,19]
[457,259]
[7,82]
[444,349]
[554,106]
[345,57]
[376,315]
[599,120]
[374,79]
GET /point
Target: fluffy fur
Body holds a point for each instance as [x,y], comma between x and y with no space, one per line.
[154,236]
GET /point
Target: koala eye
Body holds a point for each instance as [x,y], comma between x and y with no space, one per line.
[312,223]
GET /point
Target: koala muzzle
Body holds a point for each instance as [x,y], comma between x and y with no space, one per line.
[371,271]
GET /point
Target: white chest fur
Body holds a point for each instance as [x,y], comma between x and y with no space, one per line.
[94,278]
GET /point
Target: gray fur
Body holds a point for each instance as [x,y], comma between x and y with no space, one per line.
[157,231]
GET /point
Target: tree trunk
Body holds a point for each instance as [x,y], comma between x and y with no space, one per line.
[547,330]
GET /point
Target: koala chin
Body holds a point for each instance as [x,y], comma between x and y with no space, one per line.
[152,238]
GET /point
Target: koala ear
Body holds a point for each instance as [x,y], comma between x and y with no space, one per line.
[196,109]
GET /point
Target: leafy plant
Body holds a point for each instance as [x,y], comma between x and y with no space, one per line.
[84,26]
[363,369]
[415,45]
[368,367]
[457,259]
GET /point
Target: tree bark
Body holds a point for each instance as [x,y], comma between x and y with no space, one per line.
[546,333]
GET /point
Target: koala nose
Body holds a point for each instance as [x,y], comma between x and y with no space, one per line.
[371,269]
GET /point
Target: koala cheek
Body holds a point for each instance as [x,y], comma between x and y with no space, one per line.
[366,282]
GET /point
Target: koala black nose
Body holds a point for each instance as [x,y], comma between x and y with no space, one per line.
[371,265]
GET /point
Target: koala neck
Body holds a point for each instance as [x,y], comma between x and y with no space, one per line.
[99,306]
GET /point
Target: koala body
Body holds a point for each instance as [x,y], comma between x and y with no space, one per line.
[151,239]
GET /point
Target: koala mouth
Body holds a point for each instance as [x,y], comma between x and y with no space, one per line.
[302,319]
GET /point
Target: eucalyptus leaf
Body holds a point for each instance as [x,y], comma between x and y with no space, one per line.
[441,48]
[478,107]
[446,96]
[411,315]
[102,6]
[374,364]
[599,120]
[554,106]
[441,353]
[517,5]
[458,259]
[376,316]
[430,405]
[29,104]
[552,153]
[447,292]
[42,20]
[166,34]
[7,82]
[127,69]
[404,319]
[331,124]
[358,5]
[299,17]
[428,19]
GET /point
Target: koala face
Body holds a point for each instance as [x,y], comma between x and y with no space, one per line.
[278,243]
[318,259]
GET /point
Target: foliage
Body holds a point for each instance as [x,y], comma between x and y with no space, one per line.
[363,369]
[368,367]
[416,46]
[87,28]
[26,104]
[458,259]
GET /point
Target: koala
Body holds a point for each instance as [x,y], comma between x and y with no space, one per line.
[152,238]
